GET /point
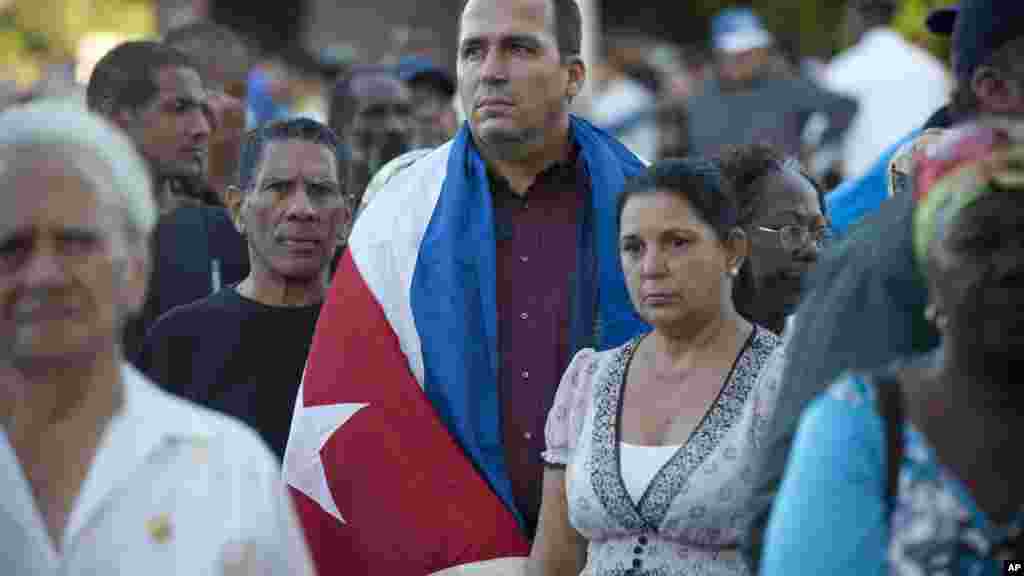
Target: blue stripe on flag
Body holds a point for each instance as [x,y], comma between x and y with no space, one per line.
[453,293]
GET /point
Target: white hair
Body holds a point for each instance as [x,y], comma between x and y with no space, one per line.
[118,173]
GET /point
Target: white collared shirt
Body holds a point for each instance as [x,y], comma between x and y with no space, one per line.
[171,489]
[897,86]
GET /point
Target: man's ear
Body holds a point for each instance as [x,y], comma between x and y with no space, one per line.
[577,76]
[121,116]
[993,90]
[106,107]
[233,200]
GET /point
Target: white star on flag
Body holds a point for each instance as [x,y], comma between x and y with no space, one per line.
[312,427]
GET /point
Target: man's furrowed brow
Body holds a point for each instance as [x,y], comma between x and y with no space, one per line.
[521,39]
[472,42]
[268,179]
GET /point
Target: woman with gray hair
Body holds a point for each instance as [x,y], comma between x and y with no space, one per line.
[102,471]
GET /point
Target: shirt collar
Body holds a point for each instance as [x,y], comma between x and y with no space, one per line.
[499,184]
[148,419]
[165,416]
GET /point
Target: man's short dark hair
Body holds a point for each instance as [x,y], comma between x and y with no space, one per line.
[294,129]
[126,76]
[568,26]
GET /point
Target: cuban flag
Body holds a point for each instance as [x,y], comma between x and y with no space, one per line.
[395,456]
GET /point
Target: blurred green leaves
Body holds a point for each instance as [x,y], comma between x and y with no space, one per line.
[7,19]
[29,40]
[910,22]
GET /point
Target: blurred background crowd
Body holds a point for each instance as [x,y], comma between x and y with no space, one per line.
[648,68]
[820,121]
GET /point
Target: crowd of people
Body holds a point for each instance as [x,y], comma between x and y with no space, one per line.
[742,318]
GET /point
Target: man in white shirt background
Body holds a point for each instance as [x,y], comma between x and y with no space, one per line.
[897,84]
[102,472]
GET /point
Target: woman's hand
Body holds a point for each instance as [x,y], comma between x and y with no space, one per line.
[558,549]
[512,566]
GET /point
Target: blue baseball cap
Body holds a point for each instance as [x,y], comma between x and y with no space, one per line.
[415,68]
[982,27]
[941,20]
[738,30]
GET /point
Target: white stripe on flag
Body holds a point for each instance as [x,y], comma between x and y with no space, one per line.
[385,244]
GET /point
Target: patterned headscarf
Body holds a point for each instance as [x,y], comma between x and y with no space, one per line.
[963,166]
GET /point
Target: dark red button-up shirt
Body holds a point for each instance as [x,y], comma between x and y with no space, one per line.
[536,260]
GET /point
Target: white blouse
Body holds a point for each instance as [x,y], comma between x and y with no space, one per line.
[641,463]
[690,514]
[174,489]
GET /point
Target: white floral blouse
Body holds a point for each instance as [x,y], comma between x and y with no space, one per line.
[690,518]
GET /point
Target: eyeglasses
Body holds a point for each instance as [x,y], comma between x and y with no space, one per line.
[795,237]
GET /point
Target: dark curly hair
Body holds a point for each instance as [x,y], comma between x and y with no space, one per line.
[125,77]
[742,166]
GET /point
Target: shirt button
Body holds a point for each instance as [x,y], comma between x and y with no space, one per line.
[526,374]
[524,258]
[524,315]
[528,435]
[638,550]
[643,540]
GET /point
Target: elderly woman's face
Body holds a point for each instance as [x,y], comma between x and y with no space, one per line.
[676,267]
[976,273]
[65,280]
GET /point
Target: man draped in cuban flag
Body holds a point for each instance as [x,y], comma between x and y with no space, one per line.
[469,282]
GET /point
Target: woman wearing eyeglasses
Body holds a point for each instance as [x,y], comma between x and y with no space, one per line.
[781,212]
